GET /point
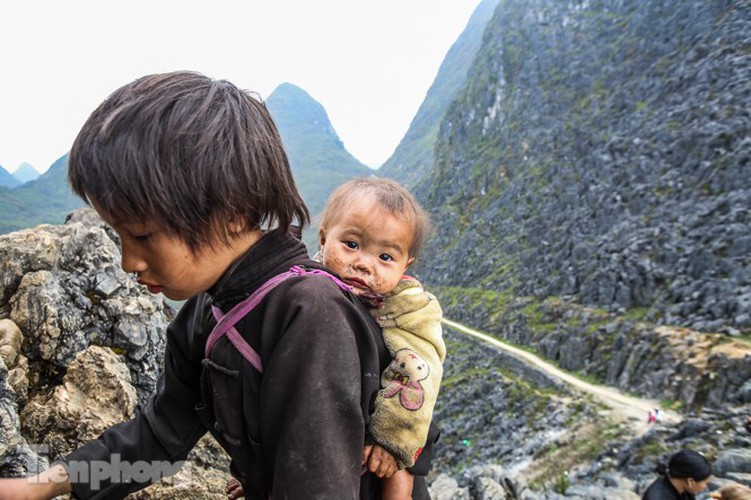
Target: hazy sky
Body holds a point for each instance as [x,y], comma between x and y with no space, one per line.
[369,63]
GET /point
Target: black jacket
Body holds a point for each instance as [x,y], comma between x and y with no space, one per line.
[662,489]
[296,431]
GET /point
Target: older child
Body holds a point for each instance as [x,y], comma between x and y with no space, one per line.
[371,231]
[686,474]
[191,174]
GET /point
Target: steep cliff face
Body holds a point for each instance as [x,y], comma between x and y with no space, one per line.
[413,156]
[603,150]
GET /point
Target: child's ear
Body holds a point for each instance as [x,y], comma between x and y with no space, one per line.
[410,261]
[321,236]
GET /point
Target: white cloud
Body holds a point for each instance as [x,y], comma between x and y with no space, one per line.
[369,63]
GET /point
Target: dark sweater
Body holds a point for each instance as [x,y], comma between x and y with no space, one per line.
[298,430]
[662,489]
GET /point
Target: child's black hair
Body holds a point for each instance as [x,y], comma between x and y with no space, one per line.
[198,157]
[685,464]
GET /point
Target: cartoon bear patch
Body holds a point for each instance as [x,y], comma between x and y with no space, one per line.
[403,377]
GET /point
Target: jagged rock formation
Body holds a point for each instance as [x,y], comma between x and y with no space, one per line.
[504,435]
[95,394]
[590,195]
[413,157]
[63,287]
[80,345]
[602,150]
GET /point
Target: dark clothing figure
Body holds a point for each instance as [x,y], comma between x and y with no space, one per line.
[662,489]
[322,357]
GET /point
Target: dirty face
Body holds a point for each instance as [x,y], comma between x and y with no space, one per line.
[165,264]
[368,246]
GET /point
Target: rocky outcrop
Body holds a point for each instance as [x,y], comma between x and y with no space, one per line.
[95,394]
[64,289]
[81,344]
[507,439]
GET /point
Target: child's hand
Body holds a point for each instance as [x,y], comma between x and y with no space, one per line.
[235,489]
[11,489]
[379,461]
[48,484]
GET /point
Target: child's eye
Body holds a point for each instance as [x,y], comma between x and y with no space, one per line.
[142,237]
[386,257]
[351,244]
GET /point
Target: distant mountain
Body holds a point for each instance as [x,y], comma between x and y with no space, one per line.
[601,150]
[46,200]
[413,158]
[25,173]
[7,179]
[317,156]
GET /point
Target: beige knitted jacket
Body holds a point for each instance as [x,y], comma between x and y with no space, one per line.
[410,319]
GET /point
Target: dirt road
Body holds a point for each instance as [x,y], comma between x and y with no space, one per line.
[633,409]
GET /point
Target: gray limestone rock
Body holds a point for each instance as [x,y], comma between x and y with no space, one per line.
[63,287]
[95,394]
[444,487]
[737,460]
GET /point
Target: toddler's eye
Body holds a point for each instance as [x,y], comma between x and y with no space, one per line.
[351,244]
[386,257]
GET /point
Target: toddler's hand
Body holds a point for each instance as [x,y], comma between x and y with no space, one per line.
[380,461]
[366,453]
[235,489]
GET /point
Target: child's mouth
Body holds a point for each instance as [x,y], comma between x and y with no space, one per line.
[151,288]
[357,283]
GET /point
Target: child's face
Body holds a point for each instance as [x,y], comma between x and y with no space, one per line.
[367,246]
[166,264]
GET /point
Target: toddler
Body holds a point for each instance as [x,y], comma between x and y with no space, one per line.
[371,231]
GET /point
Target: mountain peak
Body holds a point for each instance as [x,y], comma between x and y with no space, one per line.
[25,172]
[294,108]
[318,158]
[7,179]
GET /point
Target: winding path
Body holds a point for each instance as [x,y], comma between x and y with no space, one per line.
[634,409]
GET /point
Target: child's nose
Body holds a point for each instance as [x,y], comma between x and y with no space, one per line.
[132,261]
[364,264]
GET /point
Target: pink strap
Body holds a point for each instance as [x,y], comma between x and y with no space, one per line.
[225,323]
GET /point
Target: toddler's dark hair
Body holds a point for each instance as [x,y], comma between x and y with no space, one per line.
[196,156]
[685,464]
[390,195]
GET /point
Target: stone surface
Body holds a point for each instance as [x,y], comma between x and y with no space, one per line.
[737,460]
[96,394]
[589,156]
[80,345]
[63,287]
